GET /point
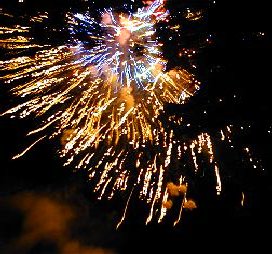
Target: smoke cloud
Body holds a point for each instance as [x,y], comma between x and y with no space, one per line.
[47,224]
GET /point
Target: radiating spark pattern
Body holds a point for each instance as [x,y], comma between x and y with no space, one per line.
[102,94]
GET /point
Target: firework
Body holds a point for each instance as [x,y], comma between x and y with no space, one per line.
[102,95]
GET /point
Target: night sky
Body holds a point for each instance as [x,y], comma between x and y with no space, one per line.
[48,208]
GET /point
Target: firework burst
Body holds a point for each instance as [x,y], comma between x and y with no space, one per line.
[102,94]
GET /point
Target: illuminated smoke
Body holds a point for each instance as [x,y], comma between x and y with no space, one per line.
[168,204]
[176,190]
[47,220]
[189,204]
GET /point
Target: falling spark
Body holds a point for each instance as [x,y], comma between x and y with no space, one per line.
[125,211]
[181,207]
[243,199]
[27,149]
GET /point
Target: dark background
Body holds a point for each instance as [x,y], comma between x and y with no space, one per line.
[236,62]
